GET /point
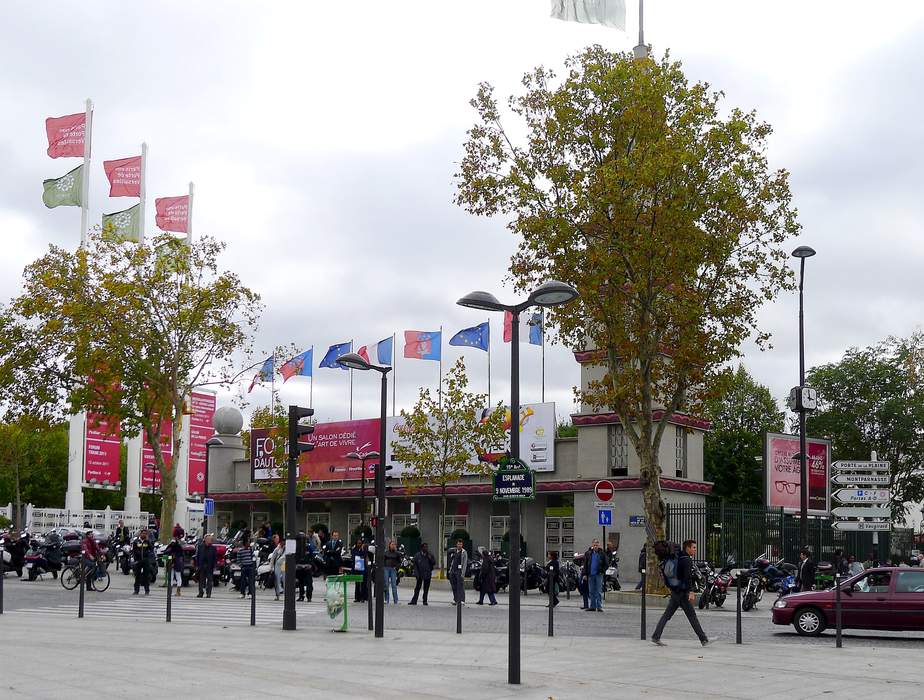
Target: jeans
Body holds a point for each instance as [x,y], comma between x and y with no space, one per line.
[278,576]
[425,582]
[391,579]
[595,590]
[490,595]
[458,587]
[679,599]
[246,579]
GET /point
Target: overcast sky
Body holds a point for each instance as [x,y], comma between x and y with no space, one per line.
[323,136]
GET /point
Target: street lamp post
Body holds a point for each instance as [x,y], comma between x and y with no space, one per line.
[363,457]
[551,293]
[212,442]
[352,360]
[802,252]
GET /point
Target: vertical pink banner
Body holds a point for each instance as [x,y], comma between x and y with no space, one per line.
[200,430]
[784,477]
[102,453]
[150,476]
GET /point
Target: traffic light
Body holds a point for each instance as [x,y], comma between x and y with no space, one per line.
[296,430]
[388,478]
[375,521]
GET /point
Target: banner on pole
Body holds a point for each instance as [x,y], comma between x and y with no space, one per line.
[783,473]
[124,176]
[172,213]
[150,475]
[102,452]
[200,430]
[66,135]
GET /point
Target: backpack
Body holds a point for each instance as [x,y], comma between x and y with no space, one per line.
[668,554]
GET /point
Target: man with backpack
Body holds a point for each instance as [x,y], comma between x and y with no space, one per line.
[677,568]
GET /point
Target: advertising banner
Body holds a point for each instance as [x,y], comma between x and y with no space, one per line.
[783,478]
[150,476]
[200,430]
[102,453]
[326,462]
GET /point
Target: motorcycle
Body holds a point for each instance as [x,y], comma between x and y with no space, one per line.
[716,589]
[611,577]
[43,558]
[571,576]
[765,576]
[531,575]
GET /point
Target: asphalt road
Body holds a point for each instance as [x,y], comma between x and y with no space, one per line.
[47,596]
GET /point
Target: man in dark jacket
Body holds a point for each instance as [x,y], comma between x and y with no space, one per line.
[424,562]
[642,562]
[123,535]
[682,596]
[805,577]
[143,554]
[458,565]
[332,552]
[206,558]
[595,563]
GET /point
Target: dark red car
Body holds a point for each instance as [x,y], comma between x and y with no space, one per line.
[877,599]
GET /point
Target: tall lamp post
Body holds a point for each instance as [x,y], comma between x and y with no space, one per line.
[212,442]
[363,457]
[354,361]
[802,252]
[551,293]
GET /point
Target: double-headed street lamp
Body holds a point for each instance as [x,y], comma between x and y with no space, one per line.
[210,443]
[551,293]
[363,457]
[802,403]
[353,360]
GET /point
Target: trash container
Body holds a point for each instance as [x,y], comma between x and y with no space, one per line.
[336,598]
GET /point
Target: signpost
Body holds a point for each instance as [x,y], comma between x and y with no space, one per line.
[513,484]
[604,490]
[855,466]
[862,495]
[862,479]
[862,526]
[861,512]
[209,507]
[870,502]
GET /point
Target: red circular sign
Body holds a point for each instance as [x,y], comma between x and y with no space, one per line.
[604,490]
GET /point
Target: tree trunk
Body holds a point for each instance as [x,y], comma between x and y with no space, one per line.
[650,473]
[442,530]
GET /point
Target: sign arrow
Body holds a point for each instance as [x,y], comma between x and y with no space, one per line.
[861,512]
[857,526]
[849,479]
[856,466]
[862,495]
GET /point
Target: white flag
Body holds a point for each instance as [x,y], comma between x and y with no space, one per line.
[609,13]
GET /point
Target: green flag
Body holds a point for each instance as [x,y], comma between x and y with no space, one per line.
[64,191]
[123,225]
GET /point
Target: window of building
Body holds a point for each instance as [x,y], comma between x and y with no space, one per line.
[618,451]
[680,451]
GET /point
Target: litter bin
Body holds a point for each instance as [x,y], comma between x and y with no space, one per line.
[336,598]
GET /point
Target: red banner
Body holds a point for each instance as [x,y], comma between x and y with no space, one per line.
[102,453]
[124,176]
[200,430]
[150,475]
[784,473]
[327,461]
[172,213]
[66,135]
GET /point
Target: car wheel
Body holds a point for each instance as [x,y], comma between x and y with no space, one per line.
[809,622]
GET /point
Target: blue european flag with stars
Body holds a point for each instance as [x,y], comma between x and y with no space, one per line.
[475,337]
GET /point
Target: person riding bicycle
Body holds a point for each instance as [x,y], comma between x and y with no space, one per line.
[91,556]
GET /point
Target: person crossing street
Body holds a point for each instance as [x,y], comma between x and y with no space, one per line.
[458,563]
[206,558]
[424,563]
[682,595]
[143,555]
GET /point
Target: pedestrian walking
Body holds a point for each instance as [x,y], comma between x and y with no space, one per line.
[594,569]
[143,554]
[206,558]
[303,573]
[175,551]
[553,569]
[681,595]
[642,563]
[458,564]
[276,558]
[805,577]
[392,560]
[245,559]
[359,553]
[488,582]
[424,563]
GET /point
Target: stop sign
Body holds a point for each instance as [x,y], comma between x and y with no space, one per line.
[604,490]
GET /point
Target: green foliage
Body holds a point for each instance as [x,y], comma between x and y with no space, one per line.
[34,453]
[410,531]
[276,419]
[654,200]
[567,429]
[733,449]
[5,522]
[873,399]
[126,331]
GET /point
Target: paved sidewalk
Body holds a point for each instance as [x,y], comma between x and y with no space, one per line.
[212,661]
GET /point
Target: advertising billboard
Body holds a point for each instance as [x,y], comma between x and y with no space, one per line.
[102,451]
[150,476]
[200,430]
[783,477]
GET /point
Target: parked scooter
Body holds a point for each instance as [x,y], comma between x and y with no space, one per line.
[716,589]
[43,557]
[611,577]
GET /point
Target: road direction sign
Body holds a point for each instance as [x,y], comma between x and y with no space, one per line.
[604,490]
[861,512]
[862,495]
[848,479]
[605,517]
[844,465]
[857,526]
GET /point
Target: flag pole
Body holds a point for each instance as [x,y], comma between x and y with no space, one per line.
[311,389]
[85,185]
[489,363]
[440,385]
[144,158]
[351,383]
[542,330]
[189,215]
[394,372]
[641,51]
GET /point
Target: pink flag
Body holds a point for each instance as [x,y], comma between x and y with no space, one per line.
[172,213]
[66,135]
[124,176]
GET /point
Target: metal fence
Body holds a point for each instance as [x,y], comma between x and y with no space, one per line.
[744,532]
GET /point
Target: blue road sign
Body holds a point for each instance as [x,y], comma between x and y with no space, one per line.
[604,517]
[210,506]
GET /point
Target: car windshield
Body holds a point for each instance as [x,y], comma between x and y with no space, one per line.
[875,582]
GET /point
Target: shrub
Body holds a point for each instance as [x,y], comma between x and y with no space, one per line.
[410,531]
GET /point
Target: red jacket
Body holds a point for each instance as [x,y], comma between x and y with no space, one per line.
[90,548]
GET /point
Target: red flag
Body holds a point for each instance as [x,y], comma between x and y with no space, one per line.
[124,176]
[66,135]
[172,213]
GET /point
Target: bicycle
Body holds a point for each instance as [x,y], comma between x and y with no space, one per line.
[70,578]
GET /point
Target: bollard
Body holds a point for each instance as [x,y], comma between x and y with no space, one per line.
[82,578]
[551,601]
[644,631]
[253,596]
[169,587]
[738,610]
[369,604]
[837,609]
[459,616]
[2,575]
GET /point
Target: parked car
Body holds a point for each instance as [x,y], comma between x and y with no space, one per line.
[884,598]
